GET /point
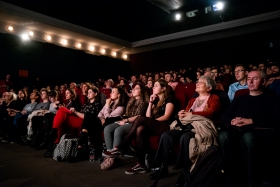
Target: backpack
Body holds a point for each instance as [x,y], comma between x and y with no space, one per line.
[67,149]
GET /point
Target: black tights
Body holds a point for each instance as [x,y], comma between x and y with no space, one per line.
[141,130]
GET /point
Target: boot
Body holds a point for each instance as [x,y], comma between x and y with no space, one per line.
[161,173]
[84,149]
[53,136]
[45,143]
[83,142]
[182,178]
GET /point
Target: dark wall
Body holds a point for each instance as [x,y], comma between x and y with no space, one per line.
[54,64]
[253,48]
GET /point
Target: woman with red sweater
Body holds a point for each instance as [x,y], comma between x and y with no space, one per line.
[207,105]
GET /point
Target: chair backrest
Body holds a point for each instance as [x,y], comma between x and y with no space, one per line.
[106,91]
[241,92]
[82,99]
[183,93]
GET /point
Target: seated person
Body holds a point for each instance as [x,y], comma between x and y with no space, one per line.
[250,121]
[38,121]
[66,116]
[114,107]
[170,79]
[241,77]
[159,115]
[149,86]
[207,105]
[90,124]
[22,99]
[21,117]
[7,107]
[82,95]
[115,132]
[274,76]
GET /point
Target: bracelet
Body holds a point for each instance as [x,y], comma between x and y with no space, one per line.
[151,102]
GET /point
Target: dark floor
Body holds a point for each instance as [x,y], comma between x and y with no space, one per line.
[22,166]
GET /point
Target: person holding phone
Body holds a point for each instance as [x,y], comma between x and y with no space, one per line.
[159,115]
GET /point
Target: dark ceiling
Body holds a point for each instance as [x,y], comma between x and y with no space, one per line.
[135,20]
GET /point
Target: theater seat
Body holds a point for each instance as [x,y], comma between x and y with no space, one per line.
[82,99]
[106,91]
[183,93]
[241,92]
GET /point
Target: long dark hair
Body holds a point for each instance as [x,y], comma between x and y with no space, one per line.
[73,93]
[144,97]
[24,93]
[166,93]
[123,97]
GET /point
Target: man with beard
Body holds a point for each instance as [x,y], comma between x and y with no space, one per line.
[273,82]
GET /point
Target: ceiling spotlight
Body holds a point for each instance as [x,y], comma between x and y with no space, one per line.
[10,28]
[218,6]
[114,54]
[178,16]
[64,42]
[48,38]
[91,48]
[125,56]
[103,51]
[79,45]
[25,37]
[31,33]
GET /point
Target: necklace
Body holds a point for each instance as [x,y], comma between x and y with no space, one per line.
[200,102]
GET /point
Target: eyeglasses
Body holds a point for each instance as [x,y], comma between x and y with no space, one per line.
[238,71]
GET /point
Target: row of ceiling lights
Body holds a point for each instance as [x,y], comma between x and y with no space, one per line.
[63,42]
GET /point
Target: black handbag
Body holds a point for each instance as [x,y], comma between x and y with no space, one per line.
[111,120]
[187,127]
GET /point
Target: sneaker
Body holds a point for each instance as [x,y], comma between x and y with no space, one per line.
[113,153]
[136,169]
[107,163]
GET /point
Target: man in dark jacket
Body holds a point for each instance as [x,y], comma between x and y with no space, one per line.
[251,121]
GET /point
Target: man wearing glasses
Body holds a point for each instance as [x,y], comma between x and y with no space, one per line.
[240,73]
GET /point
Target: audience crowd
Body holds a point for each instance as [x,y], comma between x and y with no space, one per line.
[239,107]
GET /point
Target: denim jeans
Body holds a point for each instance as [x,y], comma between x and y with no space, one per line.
[114,134]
